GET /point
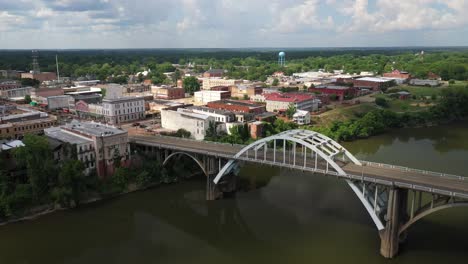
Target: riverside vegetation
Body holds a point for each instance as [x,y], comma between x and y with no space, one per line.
[32,182]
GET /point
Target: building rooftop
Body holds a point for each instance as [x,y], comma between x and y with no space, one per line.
[210,110]
[215,71]
[373,79]
[191,114]
[236,102]
[122,99]
[335,87]
[12,144]
[288,97]
[65,136]
[93,128]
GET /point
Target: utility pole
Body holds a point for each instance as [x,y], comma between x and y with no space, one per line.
[56,63]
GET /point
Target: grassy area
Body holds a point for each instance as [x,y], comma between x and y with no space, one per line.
[343,113]
[422,90]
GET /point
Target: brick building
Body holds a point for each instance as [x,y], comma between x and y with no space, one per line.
[245,90]
[277,101]
[40,76]
[9,85]
[98,146]
[372,83]
[213,73]
[397,74]
[167,92]
[237,106]
[341,91]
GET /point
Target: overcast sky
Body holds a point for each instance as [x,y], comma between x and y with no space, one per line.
[231,23]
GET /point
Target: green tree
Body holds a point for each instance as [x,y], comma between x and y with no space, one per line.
[291,111]
[37,158]
[30,82]
[275,82]
[182,133]
[121,179]
[71,183]
[27,99]
[191,85]
[381,102]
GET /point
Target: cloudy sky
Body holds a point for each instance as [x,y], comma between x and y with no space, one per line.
[231,23]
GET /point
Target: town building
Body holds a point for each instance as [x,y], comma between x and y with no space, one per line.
[237,106]
[17,94]
[6,85]
[256,129]
[220,88]
[397,74]
[40,76]
[167,92]
[342,92]
[58,102]
[213,73]
[403,95]
[372,83]
[19,121]
[206,96]
[221,116]
[242,91]
[427,82]
[125,109]
[98,146]
[208,83]
[195,123]
[276,102]
[433,76]
[302,117]
[8,74]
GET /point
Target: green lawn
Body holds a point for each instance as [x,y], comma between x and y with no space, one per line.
[421,90]
[343,113]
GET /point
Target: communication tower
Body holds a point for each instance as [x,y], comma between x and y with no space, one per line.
[282,59]
[35,63]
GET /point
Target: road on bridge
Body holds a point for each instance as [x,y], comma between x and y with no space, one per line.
[397,174]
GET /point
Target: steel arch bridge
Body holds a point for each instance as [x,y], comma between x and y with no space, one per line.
[321,149]
[387,206]
[395,197]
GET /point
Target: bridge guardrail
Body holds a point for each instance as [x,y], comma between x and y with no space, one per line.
[401,168]
[348,176]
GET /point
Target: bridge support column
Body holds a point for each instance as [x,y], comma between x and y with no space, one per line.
[396,213]
[212,190]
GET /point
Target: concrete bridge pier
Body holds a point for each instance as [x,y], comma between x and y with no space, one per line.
[217,191]
[395,217]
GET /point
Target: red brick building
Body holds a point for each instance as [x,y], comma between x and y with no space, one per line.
[169,93]
[220,88]
[397,74]
[213,73]
[372,83]
[9,85]
[41,76]
[237,106]
[341,91]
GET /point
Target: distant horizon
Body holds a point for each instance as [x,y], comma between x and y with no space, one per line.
[246,48]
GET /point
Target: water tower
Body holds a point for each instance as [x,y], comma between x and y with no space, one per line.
[282,59]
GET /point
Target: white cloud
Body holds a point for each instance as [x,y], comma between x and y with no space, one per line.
[220,23]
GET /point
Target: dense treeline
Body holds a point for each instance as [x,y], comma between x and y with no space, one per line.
[31,181]
[244,64]
[453,106]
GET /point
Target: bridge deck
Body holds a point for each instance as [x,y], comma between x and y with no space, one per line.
[394,175]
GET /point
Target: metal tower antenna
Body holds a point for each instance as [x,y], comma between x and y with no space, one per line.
[35,63]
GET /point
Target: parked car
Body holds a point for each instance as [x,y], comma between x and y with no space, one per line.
[135,124]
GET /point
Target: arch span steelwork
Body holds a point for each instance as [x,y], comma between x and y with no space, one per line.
[188,155]
[319,146]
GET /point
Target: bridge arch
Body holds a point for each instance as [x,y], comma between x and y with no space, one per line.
[430,211]
[320,146]
[188,155]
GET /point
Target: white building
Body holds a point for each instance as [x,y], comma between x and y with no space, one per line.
[302,117]
[195,123]
[126,109]
[422,82]
[218,115]
[276,102]
[206,96]
[57,102]
[208,83]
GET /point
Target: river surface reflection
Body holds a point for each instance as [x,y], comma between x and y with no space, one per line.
[280,216]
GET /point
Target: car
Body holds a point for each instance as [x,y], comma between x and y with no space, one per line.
[135,124]
[143,126]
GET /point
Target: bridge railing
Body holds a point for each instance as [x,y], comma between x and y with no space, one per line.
[401,168]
